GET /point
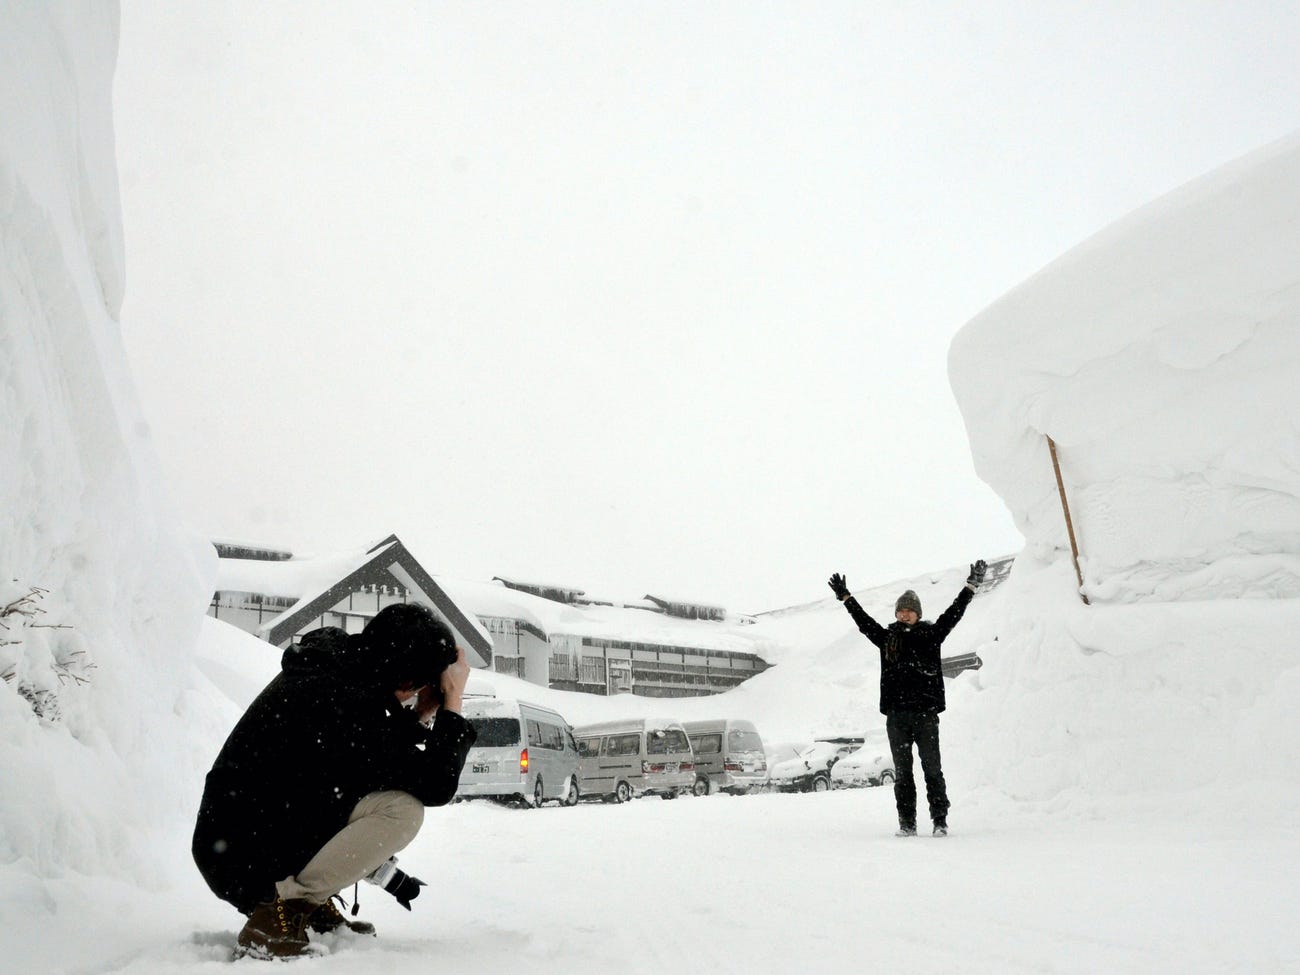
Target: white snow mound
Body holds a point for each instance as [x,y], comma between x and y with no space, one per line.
[1162,356]
[100,594]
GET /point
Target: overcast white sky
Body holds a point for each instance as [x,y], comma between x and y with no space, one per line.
[638,298]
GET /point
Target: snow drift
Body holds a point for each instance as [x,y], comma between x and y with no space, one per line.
[1161,355]
[104,595]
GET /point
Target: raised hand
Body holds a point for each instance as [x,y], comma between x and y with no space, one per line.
[977,570]
[840,586]
[454,679]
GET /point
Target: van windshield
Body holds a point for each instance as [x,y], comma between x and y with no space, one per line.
[669,741]
[744,741]
[496,732]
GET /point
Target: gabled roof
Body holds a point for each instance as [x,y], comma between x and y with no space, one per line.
[319,585]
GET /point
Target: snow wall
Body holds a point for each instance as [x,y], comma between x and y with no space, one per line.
[1162,357]
[104,592]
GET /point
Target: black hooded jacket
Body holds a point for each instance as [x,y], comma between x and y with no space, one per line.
[321,736]
[913,679]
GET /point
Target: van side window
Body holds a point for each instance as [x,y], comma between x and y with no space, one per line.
[707,744]
[553,737]
[589,747]
[534,734]
[623,745]
[568,737]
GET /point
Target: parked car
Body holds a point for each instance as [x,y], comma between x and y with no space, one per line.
[620,760]
[729,756]
[810,771]
[524,752]
[869,765]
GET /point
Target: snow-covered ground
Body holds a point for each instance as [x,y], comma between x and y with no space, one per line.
[767,883]
[1124,775]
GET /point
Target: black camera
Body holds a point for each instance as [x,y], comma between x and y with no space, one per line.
[396,881]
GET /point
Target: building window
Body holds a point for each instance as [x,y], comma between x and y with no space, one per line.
[592,671]
[509,665]
[563,668]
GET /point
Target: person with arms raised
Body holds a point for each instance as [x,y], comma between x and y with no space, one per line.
[911,691]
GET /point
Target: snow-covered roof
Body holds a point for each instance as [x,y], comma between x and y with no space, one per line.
[288,578]
[312,584]
[529,585]
[615,623]
[664,599]
[262,549]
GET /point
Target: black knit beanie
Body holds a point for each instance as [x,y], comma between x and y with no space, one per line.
[909,600]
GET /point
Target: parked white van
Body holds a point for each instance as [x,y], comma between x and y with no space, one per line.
[636,757]
[524,752]
[729,756]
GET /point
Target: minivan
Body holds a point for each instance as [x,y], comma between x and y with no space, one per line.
[620,760]
[524,752]
[729,756]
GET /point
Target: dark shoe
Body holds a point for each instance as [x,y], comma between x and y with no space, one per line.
[906,830]
[940,829]
[327,918]
[277,929]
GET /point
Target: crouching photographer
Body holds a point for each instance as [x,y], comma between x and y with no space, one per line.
[327,775]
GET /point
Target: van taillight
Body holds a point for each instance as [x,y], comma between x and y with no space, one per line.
[523,760]
[648,767]
[687,766]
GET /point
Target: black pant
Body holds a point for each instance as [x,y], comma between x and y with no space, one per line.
[922,728]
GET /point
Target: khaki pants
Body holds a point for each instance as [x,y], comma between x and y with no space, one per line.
[381,824]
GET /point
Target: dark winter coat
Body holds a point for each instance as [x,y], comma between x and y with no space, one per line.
[322,735]
[911,679]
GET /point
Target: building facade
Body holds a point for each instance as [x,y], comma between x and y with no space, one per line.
[550,635]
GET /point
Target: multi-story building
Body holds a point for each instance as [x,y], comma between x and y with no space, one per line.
[551,635]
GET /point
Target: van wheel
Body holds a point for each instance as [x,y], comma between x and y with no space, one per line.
[537,793]
[701,787]
[622,792]
[886,777]
[820,784]
[571,795]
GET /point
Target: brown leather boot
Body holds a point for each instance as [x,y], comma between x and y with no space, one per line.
[277,929]
[327,918]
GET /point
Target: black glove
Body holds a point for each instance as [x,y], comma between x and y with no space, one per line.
[977,570]
[840,586]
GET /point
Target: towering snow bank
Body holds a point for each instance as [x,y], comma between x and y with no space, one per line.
[1162,357]
[104,596]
